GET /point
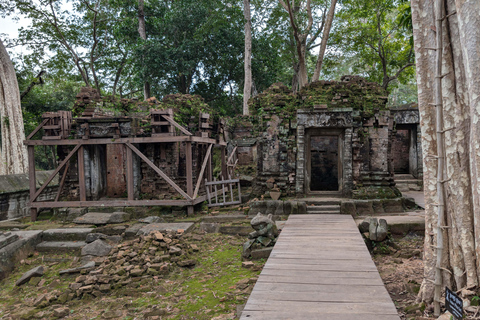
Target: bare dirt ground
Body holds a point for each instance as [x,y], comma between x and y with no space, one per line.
[401,267]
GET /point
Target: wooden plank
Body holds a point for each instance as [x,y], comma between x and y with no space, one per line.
[320,269]
[224,204]
[81,174]
[189,168]
[37,128]
[306,314]
[175,124]
[129,176]
[32,180]
[223,156]
[160,172]
[208,192]
[62,182]
[112,203]
[215,182]
[50,178]
[202,171]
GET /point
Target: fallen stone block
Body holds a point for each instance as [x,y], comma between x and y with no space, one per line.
[97,248]
[88,265]
[35,272]
[261,253]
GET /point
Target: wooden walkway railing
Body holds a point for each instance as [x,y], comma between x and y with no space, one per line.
[320,268]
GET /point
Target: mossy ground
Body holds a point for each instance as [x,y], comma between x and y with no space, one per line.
[212,289]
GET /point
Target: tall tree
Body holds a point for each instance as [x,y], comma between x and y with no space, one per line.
[247,86]
[143,35]
[13,153]
[377,42]
[460,94]
[323,44]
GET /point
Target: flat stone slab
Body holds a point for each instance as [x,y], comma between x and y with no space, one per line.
[67,234]
[225,218]
[87,265]
[401,224]
[9,225]
[7,238]
[61,246]
[35,272]
[18,250]
[145,230]
[100,218]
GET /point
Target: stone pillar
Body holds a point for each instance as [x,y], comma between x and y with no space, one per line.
[300,175]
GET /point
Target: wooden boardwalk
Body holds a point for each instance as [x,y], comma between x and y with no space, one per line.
[320,268]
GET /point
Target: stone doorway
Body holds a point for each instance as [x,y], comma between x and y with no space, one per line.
[405,155]
[324,154]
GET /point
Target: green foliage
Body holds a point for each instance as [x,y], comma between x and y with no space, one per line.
[373,39]
[356,94]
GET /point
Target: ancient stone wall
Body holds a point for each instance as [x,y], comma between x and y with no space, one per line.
[15,193]
[352,111]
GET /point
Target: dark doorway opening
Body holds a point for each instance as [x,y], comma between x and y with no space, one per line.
[401,151]
[324,163]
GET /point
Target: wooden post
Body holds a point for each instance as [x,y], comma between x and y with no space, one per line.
[210,169]
[32,181]
[189,167]
[224,163]
[81,174]
[129,177]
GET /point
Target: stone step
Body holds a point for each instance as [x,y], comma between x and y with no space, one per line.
[61,246]
[411,181]
[323,212]
[324,208]
[100,218]
[404,177]
[67,234]
[322,202]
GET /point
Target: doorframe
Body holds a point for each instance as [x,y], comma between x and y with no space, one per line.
[340,133]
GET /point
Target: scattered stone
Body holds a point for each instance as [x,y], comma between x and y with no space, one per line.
[40,300]
[209,227]
[261,253]
[151,219]
[88,265]
[382,230]
[187,263]
[97,248]
[175,251]
[61,312]
[364,226]
[155,312]
[95,236]
[35,272]
[112,314]
[163,227]
[247,264]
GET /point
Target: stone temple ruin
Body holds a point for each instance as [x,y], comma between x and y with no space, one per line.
[331,139]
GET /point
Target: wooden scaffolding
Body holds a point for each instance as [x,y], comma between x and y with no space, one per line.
[164,129]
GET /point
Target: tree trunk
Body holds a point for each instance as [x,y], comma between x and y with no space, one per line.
[323,44]
[461,107]
[143,34]
[247,88]
[13,153]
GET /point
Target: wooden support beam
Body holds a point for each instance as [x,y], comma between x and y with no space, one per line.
[224,164]
[45,184]
[81,174]
[129,165]
[200,176]
[62,182]
[189,173]
[175,124]
[157,170]
[91,141]
[37,129]
[32,180]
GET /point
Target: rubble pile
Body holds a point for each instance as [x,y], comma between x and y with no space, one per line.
[129,264]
